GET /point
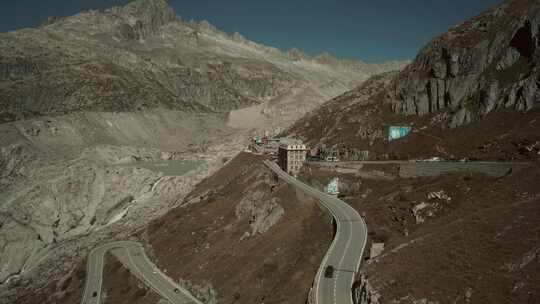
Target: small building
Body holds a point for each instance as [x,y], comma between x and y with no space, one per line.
[397,132]
[332,187]
[291,157]
[376,250]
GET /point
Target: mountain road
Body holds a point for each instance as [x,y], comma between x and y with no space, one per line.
[132,256]
[345,252]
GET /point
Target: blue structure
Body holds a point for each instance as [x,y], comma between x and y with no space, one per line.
[397,132]
[332,187]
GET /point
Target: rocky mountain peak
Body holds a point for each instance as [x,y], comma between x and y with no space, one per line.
[143,18]
[206,26]
[296,55]
[238,37]
[326,58]
[148,14]
[149,6]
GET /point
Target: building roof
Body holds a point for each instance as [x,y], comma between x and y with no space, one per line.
[291,144]
[299,147]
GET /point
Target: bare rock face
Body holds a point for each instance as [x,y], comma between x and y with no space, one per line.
[262,214]
[70,177]
[364,293]
[481,65]
[81,199]
[511,56]
[12,159]
[296,55]
[147,17]
[206,293]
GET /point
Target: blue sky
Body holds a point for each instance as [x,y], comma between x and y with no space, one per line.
[369,30]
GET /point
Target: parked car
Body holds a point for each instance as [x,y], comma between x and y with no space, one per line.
[329,271]
[176,290]
[94,294]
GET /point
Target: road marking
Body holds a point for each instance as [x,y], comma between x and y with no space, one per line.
[335,287]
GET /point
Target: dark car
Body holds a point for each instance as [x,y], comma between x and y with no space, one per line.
[329,271]
[94,294]
[176,290]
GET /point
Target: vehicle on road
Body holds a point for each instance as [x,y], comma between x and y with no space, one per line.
[176,290]
[331,159]
[432,159]
[94,294]
[329,271]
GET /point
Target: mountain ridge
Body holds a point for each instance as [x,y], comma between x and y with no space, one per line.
[143,56]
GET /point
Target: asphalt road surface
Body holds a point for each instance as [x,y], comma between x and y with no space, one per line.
[345,252]
[132,256]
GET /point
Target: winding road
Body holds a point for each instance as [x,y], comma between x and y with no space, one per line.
[132,256]
[345,252]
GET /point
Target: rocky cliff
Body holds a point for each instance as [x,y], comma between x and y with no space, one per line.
[487,63]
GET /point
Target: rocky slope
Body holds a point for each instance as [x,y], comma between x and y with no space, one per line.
[142,56]
[484,64]
[481,76]
[67,176]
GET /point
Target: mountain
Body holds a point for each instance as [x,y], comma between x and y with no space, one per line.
[487,63]
[466,89]
[142,56]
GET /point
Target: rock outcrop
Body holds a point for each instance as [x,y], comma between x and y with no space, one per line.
[296,55]
[487,63]
[363,292]
[261,214]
